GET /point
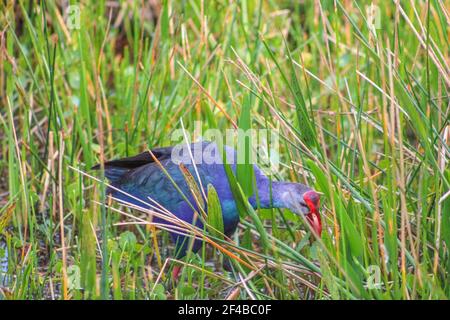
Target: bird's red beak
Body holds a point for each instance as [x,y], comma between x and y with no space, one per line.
[312,200]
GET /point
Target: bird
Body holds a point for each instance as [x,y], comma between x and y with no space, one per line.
[141,181]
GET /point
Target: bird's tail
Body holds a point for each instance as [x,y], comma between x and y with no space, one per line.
[114,174]
[116,169]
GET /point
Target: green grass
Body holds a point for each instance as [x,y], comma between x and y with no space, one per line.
[363,115]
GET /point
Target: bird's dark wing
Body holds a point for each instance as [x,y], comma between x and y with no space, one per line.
[115,169]
[138,160]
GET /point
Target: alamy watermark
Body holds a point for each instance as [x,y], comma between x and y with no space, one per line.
[253,146]
[373,14]
[72,17]
[373,277]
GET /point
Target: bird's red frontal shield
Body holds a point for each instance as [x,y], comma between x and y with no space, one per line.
[312,200]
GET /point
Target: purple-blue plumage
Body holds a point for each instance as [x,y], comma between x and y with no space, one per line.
[140,178]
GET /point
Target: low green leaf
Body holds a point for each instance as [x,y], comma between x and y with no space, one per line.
[127,241]
[214,218]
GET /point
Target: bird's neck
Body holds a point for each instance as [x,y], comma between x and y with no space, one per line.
[270,194]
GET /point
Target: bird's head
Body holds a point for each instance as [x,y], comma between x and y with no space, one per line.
[304,201]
